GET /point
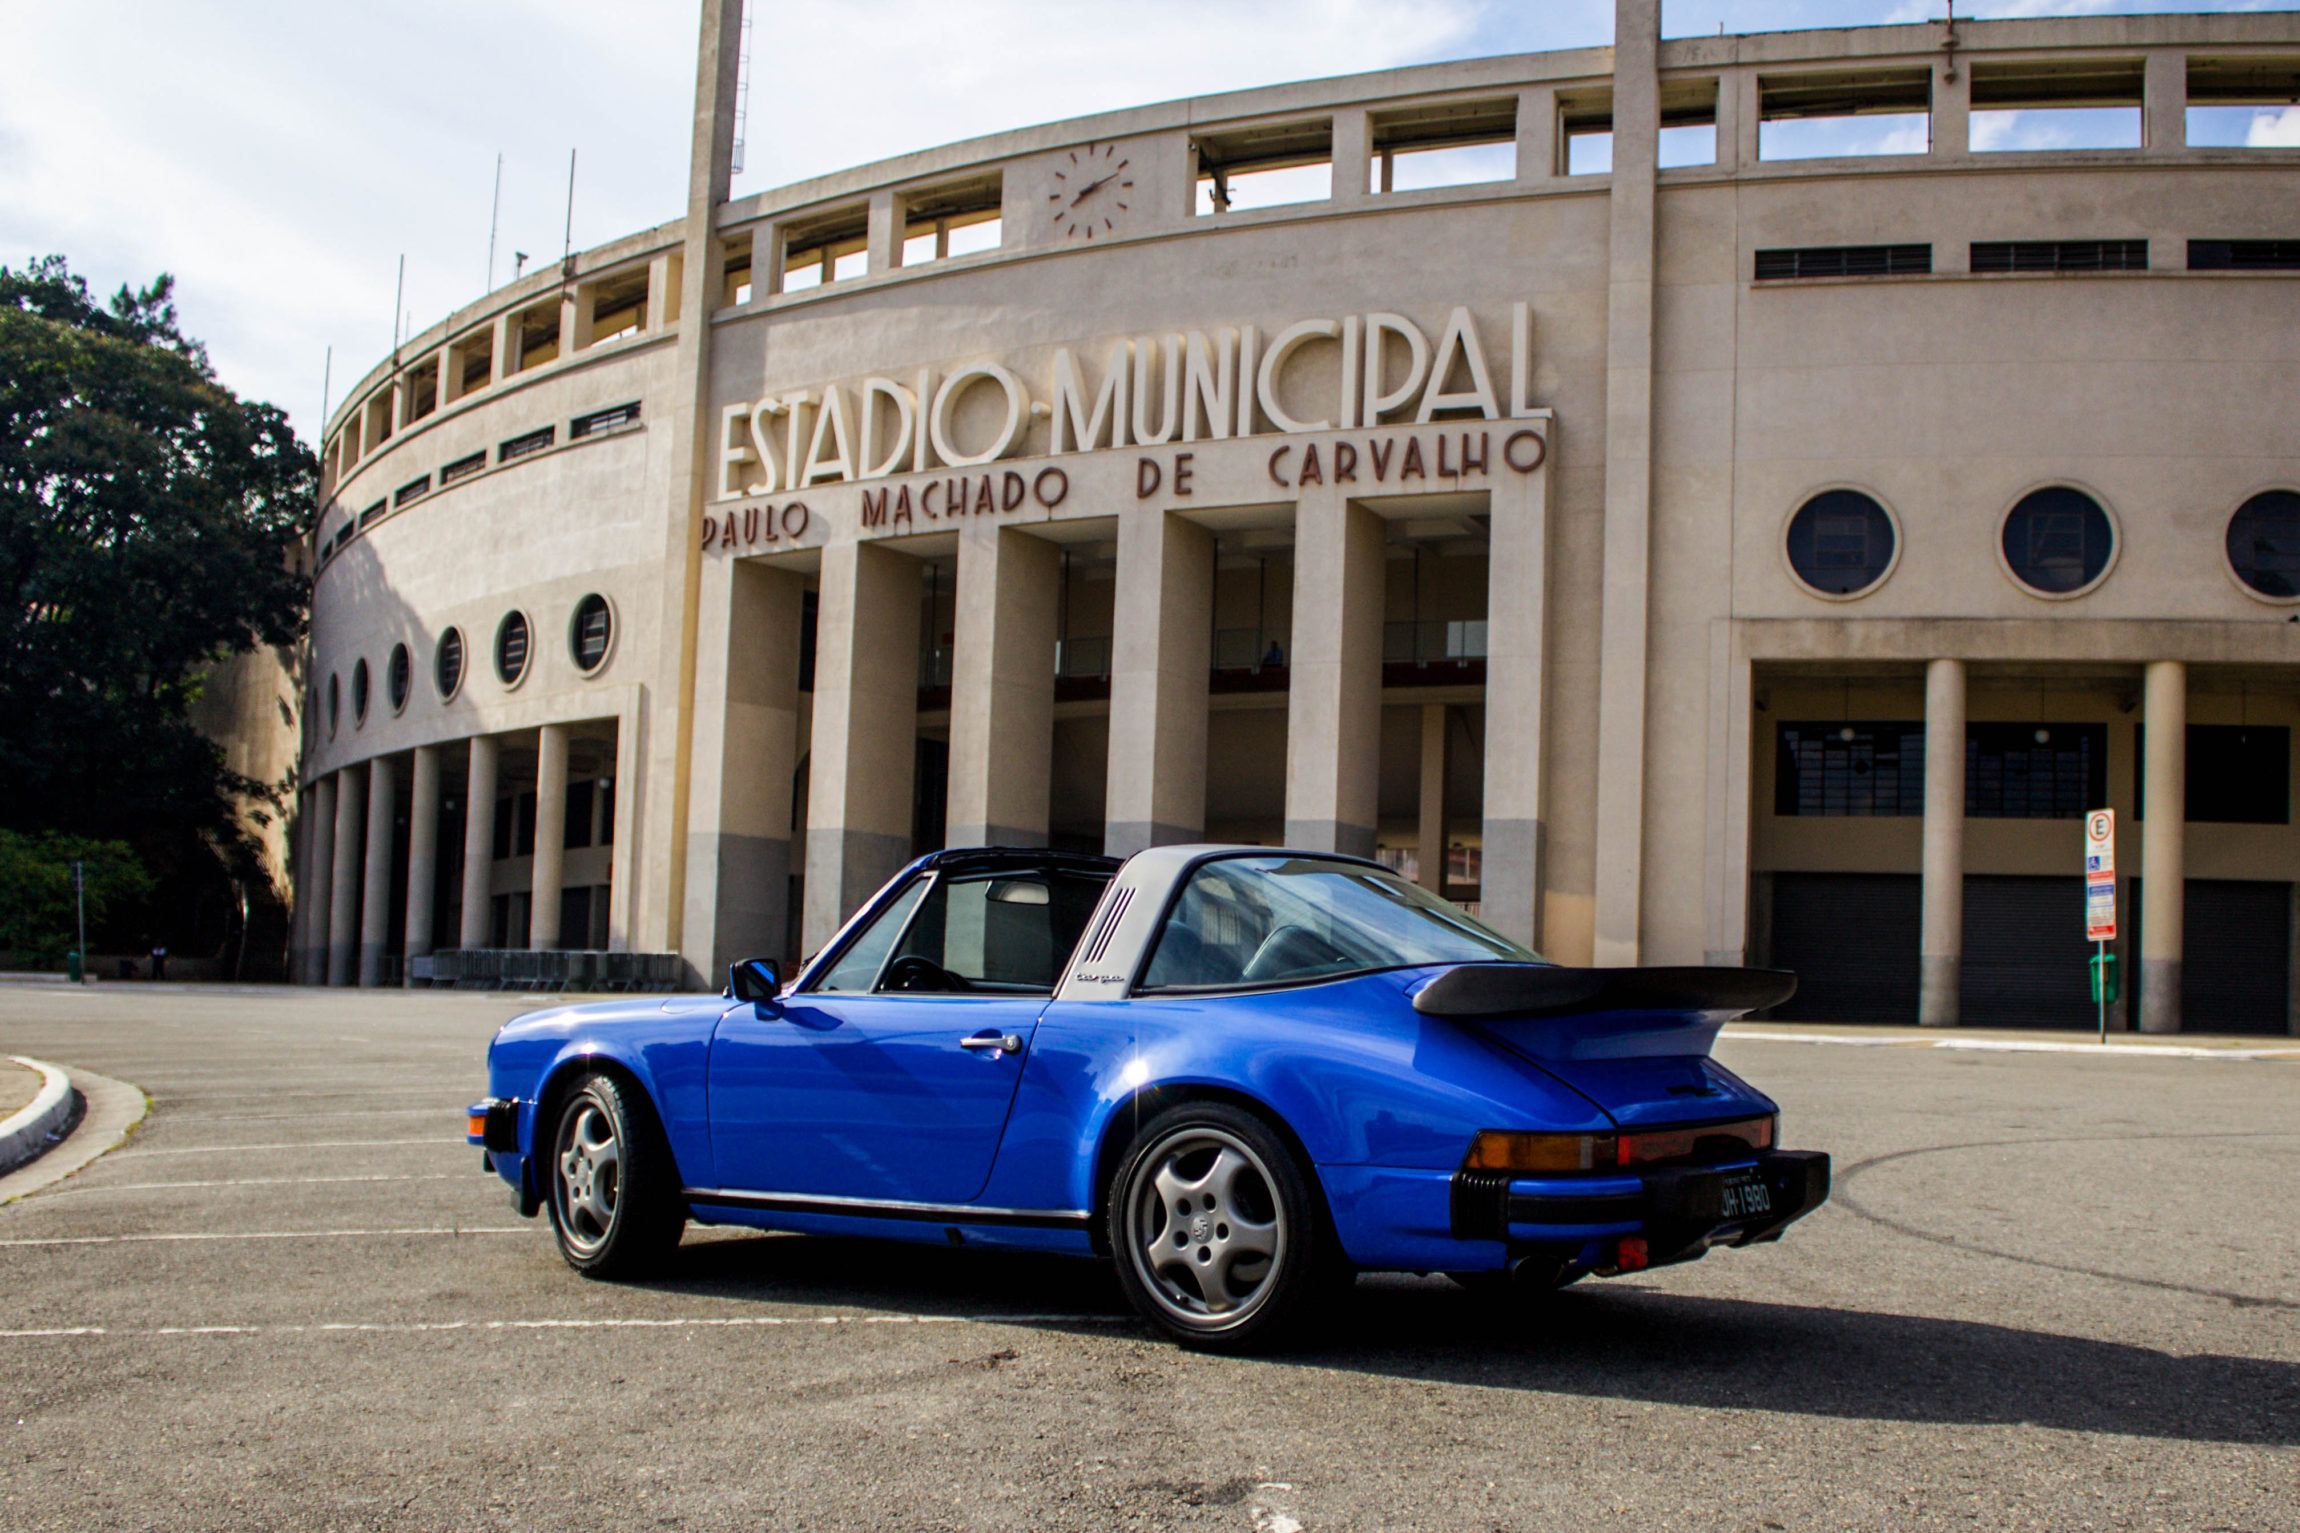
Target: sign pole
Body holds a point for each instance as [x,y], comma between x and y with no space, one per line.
[2100,902]
[80,899]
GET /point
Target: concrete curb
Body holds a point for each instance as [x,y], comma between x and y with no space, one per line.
[113,1108]
[1886,1039]
[29,1133]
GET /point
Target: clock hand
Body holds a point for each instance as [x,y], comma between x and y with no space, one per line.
[1091,187]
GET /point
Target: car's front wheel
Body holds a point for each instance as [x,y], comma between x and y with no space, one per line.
[1219,1235]
[615,1204]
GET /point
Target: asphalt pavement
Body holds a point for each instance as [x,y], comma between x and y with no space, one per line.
[2052,1290]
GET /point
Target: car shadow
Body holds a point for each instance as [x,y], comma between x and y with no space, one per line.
[1601,1341]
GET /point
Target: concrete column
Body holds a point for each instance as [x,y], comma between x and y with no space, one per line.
[882,236]
[1728,127]
[2164,110]
[2163,846]
[1537,134]
[1514,889]
[623,859]
[479,841]
[1952,110]
[1353,156]
[500,363]
[1334,709]
[1161,646]
[1941,950]
[864,756]
[662,291]
[318,882]
[550,837]
[746,750]
[1432,837]
[1002,686]
[1621,700]
[343,877]
[375,894]
[1749,114]
[422,851]
[1725,857]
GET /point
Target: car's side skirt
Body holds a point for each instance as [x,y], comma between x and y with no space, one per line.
[867,1208]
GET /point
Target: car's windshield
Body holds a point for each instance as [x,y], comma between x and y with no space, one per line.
[1272,920]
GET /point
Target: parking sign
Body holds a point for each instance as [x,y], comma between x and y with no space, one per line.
[2100,876]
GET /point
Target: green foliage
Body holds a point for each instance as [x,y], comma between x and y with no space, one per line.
[146,519]
[38,918]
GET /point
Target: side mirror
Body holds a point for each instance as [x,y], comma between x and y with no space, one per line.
[754,979]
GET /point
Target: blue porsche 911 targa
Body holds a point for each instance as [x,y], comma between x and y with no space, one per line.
[1240,1074]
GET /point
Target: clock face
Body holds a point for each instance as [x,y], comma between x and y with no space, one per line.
[1091,191]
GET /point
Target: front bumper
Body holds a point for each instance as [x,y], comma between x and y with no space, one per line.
[1679,1211]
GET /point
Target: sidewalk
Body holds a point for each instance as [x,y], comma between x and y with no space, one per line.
[2023,1040]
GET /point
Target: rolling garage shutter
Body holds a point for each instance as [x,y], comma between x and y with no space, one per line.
[2025,954]
[1851,938]
[2236,955]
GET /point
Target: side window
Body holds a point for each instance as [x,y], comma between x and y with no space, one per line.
[1217,927]
[857,968]
[1002,933]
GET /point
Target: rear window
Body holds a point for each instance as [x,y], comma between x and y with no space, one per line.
[1247,921]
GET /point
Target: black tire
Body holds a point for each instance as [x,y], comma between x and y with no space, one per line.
[610,1183]
[1252,1266]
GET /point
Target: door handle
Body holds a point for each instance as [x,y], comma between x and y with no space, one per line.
[1006,1043]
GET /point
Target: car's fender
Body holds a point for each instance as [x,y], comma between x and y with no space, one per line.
[662,1047]
[1347,1068]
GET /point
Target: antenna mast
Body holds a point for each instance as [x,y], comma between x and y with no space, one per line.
[494,221]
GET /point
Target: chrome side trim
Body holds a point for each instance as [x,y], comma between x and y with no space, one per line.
[869,1208]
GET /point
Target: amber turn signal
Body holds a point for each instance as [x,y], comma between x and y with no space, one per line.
[478,1120]
[1502,1150]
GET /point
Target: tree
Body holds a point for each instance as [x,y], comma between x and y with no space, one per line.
[40,911]
[147,515]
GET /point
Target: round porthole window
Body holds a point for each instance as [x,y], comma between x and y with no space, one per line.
[591,633]
[2264,544]
[359,693]
[2058,541]
[447,663]
[1842,542]
[398,677]
[334,704]
[511,648]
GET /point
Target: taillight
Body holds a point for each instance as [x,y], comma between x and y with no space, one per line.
[1502,1150]
[1508,1150]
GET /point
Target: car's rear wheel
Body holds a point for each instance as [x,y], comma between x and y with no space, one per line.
[614,1191]
[1220,1237]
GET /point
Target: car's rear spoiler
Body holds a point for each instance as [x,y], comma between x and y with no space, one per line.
[1545,990]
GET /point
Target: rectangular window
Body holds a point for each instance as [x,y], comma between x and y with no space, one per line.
[462,468]
[2035,771]
[373,513]
[414,489]
[537,327]
[618,307]
[2088,103]
[830,247]
[2059,255]
[471,363]
[1585,133]
[520,446]
[1456,143]
[964,217]
[1828,113]
[1265,167]
[419,391]
[2248,102]
[735,288]
[1844,261]
[2244,255]
[578,823]
[2238,774]
[602,420]
[378,419]
[1850,769]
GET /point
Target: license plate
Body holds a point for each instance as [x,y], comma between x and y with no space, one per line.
[1745,1197]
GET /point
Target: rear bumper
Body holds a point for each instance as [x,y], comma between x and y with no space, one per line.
[1680,1210]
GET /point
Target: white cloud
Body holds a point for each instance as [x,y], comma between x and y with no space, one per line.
[2276,129]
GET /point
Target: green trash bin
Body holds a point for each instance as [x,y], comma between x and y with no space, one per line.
[2105,987]
[72,966]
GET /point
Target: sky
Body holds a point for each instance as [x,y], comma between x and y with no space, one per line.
[280,157]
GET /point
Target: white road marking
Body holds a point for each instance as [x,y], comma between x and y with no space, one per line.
[301,1144]
[418,1327]
[305,1117]
[2018,1046]
[118,1240]
[256,1181]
